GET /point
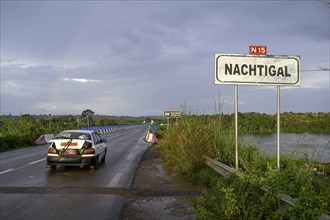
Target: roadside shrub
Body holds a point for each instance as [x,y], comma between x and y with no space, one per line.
[184,145]
[17,132]
[242,198]
[160,131]
[206,176]
[231,198]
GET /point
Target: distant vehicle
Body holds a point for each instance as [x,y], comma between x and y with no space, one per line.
[76,148]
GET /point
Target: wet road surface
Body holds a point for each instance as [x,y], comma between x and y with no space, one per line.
[31,191]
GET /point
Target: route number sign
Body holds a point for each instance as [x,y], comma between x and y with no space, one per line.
[258,50]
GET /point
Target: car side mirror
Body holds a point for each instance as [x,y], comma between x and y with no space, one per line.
[103,140]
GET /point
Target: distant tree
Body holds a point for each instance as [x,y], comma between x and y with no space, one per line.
[87,115]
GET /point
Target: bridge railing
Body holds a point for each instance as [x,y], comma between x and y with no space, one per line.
[106,129]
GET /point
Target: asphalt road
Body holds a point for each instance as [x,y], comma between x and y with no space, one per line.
[28,190]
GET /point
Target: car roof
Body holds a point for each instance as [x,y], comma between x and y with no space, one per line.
[80,131]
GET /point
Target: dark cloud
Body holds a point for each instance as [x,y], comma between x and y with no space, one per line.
[141,57]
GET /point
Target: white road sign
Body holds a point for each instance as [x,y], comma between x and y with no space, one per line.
[257,69]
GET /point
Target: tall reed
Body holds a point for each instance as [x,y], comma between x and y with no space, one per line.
[194,136]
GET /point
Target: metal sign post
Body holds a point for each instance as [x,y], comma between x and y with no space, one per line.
[167,123]
[236,126]
[278,126]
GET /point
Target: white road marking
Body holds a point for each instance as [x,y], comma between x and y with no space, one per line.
[6,171]
[115,180]
[37,161]
[33,162]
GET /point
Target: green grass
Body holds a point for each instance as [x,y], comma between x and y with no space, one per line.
[184,145]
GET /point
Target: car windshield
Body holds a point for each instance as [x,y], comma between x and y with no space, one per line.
[73,135]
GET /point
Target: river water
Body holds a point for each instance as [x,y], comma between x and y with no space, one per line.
[314,146]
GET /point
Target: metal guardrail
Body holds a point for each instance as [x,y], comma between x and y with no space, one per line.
[226,171]
[219,167]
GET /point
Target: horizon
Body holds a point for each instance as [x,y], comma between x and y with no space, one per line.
[101,115]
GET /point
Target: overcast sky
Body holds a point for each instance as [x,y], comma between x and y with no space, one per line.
[143,57]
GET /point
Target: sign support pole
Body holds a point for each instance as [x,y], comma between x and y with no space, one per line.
[278,126]
[168,123]
[236,126]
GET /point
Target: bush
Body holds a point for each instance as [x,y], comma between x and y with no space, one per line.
[184,145]
[16,132]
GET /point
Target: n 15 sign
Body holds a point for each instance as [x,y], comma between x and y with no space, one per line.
[258,50]
[257,70]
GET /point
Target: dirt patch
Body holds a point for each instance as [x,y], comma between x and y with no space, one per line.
[159,193]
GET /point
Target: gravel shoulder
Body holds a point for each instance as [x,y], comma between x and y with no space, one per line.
[159,193]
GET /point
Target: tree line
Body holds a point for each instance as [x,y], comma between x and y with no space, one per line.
[289,122]
[17,131]
[24,130]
